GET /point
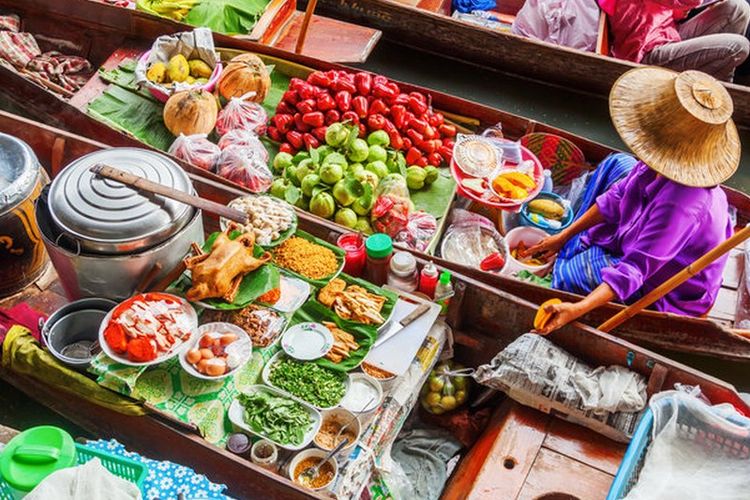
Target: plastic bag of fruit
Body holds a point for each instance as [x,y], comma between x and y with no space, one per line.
[420,228]
[447,388]
[240,137]
[196,149]
[245,166]
[392,207]
[243,114]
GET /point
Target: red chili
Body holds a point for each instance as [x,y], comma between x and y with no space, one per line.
[402,99]
[283,122]
[300,124]
[384,91]
[412,156]
[363,81]
[360,106]
[362,130]
[427,146]
[415,136]
[345,85]
[418,107]
[416,124]
[350,116]
[434,159]
[379,80]
[429,132]
[320,133]
[306,91]
[286,148]
[274,133]
[377,107]
[332,116]
[436,119]
[376,122]
[291,96]
[295,139]
[343,101]
[407,143]
[319,78]
[325,102]
[310,141]
[422,162]
[306,106]
[284,108]
[447,130]
[314,119]
[397,142]
[398,114]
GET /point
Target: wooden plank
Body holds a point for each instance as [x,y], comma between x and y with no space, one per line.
[497,464]
[556,476]
[725,306]
[734,267]
[330,40]
[585,446]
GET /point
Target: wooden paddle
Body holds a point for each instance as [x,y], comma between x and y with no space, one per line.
[676,280]
[305,25]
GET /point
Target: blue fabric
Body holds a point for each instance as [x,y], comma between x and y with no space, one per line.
[467,6]
[578,268]
[166,479]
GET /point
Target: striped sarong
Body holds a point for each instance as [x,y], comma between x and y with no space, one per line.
[578,268]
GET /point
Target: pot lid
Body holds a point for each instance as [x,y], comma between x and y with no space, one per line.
[106,216]
[34,454]
[19,170]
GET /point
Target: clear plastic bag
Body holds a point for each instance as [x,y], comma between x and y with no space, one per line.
[573,192]
[197,150]
[392,207]
[420,228]
[241,113]
[247,138]
[470,239]
[245,166]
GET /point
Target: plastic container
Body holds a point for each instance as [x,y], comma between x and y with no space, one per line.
[443,288]
[342,417]
[428,279]
[526,218]
[529,236]
[265,454]
[356,257]
[320,454]
[379,248]
[402,272]
[363,396]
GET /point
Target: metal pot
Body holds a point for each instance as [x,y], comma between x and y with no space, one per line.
[75,327]
[104,237]
[22,255]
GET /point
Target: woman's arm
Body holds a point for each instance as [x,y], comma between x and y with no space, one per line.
[564,313]
[551,245]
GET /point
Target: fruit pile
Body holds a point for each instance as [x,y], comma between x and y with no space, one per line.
[179,70]
[443,391]
[372,103]
[514,185]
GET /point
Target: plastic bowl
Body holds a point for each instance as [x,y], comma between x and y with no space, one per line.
[343,417]
[525,217]
[163,94]
[219,328]
[320,454]
[529,236]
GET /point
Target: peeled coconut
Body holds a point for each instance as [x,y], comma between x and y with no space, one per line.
[245,73]
[191,112]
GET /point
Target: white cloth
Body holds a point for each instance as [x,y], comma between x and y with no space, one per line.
[572,23]
[90,481]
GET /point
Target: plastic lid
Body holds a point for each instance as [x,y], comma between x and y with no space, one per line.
[19,170]
[445,277]
[379,246]
[403,263]
[429,269]
[35,454]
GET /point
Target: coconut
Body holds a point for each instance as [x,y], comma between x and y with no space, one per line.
[191,112]
[245,73]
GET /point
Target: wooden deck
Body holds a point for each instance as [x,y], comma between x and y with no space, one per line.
[730,298]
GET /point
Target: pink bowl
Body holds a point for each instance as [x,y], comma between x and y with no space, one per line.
[162,96]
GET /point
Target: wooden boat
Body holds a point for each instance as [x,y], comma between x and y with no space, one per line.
[120,34]
[427,25]
[513,455]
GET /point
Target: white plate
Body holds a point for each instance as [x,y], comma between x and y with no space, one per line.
[307,341]
[236,415]
[192,317]
[243,346]
[266,376]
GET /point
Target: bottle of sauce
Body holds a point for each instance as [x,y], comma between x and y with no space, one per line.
[428,280]
[379,248]
[443,288]
[403,272]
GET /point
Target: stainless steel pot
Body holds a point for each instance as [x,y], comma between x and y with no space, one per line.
[75,324]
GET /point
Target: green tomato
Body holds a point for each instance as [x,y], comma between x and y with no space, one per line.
[363,225]
[378,168]
[415,177]
[331,173]
[336,158]
[431,174]
[355,168]
[309,182]
[346,217]
[367,177]
[379,138]
[281,161]
[322,205]
[300,156]
[377,153]
[359,150]
[278,187]
[363,205]
[304,168]
[336,135]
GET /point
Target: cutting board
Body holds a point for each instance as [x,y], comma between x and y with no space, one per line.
[397,353]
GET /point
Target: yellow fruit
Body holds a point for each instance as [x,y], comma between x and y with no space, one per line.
[190,80]
[202,81]
[178,69]
[542,317]
[546,208]
[432,399]
[502,185]
[157,72]
[245,73]
[448,403]
[460,397]
[191,112]
[199,69]
[436,410]
[521,180]
[436,384]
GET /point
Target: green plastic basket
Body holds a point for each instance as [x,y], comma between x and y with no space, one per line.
[122,467]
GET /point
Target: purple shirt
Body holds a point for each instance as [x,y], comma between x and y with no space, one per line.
[657,227]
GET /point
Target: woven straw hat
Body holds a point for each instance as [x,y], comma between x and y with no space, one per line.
[679,124]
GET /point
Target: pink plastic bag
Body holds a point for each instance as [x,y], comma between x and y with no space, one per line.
[240,137]
[572,23]
[241,113]
[243,165]
[420,228]
[197,150]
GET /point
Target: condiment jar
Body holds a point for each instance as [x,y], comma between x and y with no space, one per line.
[354,246]
[444,291]
[403,272]
[379,248]
[265,454]
[428,280]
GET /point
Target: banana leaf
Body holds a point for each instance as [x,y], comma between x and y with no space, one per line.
[336,250]
[364,335]
[390,297]
[230,17]
[436,198]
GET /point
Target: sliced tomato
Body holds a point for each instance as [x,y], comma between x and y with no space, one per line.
[114,335]
[141,350]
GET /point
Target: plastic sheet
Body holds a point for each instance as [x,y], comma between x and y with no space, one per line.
[695,449]
[420,228]
[197,150]
[470,239]
[245,166]
[241,113]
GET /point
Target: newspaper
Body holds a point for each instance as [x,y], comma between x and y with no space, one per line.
[536,373]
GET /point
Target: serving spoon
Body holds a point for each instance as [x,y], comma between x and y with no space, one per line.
[312,472]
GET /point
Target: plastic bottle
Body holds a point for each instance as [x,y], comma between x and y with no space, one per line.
[443,288]
[379,248]
[428,280]
[402,273]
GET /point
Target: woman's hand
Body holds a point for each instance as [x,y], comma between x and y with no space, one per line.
[561,315]
[549,246]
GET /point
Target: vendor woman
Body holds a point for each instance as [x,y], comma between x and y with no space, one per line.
[667,208]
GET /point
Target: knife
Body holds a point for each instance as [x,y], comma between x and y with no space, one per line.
[405,321]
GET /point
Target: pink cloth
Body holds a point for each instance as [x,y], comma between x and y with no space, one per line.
[20,314]
[639,26]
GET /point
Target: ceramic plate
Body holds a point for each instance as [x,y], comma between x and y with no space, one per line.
[307,341]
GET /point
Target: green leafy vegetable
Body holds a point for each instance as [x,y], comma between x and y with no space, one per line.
[278,418]
[312,383]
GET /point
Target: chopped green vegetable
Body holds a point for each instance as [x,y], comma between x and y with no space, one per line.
[278,418]
[312,383]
